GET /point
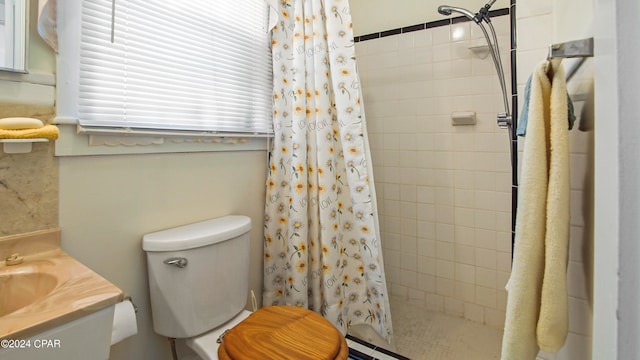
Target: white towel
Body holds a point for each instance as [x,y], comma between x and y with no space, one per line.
[536,303]
[48,23]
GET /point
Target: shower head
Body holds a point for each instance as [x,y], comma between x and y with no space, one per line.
[447,10]
[444,10]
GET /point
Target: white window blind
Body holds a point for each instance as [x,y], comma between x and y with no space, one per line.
[202,65]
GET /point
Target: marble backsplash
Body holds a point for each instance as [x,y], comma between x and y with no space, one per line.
[28,182]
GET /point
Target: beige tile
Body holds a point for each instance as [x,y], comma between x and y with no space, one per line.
[409,244]
[409,261]
[577,281]
[408,210]
[503,261]
[409,278]
[486,219]
[408,192]
[465,217]
[424,334]
[486,239]
[417,296]
[391,208]
[426,247]
[427,265]
[445,270]
[486,277]
[464,179]
[464,198]
[465,273]
[486,258]
[426,230]
[435,302]
[465,236]
[486,297]
[409,227]
[444,232]
[445,250]
[425,194]
[494,318]
[465,292]
[474,312]
[441,35]
[427,283]
[454,307]
[441,52]
[580,317]
[426,212]
[392,191]
[465,254]
[445,287]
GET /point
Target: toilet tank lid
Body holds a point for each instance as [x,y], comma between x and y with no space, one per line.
[197,234]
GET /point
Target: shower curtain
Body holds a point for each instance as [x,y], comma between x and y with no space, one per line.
[321,244]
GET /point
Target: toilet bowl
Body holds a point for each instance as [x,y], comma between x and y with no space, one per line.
[206,346]
[199,284]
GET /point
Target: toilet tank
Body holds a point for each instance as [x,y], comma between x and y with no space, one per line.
[198,275]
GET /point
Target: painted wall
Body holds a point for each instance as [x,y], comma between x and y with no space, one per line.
[617,324]
[107,203]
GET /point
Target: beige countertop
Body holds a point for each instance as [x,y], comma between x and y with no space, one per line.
[78,291]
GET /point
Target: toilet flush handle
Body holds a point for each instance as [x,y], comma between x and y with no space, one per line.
[179,262]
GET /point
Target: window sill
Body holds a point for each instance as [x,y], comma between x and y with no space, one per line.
[70,143]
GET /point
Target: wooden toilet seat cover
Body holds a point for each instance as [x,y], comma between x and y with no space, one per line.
[283,332]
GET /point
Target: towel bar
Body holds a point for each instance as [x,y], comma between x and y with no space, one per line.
[571,49]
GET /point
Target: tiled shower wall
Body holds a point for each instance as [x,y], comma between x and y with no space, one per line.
[443,191]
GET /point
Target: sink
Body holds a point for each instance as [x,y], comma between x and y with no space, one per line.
[44,290]
[22,289]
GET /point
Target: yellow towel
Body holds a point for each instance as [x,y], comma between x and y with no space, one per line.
[46,132]
[523,300]
[536,303]
[553,322]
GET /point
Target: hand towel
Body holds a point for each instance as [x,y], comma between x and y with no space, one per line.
[537,302]
[48,23]
[553,322]
[521,130]
[524,286]
[46,132]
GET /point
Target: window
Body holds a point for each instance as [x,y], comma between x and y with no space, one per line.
[197,65]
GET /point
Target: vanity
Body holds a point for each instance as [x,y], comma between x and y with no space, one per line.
[51,305]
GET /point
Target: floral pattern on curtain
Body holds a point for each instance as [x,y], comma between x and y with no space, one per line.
[321,249]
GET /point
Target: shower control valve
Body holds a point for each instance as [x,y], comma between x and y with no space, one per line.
[504,120]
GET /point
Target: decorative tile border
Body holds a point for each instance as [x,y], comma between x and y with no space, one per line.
[429,25]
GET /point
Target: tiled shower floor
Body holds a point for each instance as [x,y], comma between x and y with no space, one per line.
[421,334]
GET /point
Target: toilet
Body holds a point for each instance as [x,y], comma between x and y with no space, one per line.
[199,284]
